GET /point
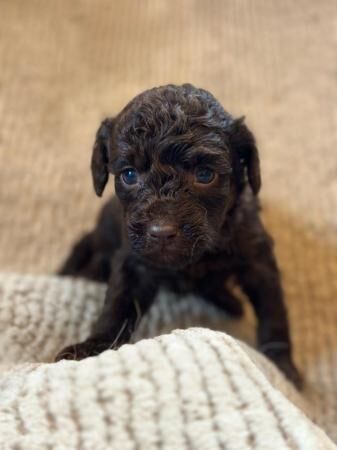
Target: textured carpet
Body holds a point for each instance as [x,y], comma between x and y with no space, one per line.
[66,65]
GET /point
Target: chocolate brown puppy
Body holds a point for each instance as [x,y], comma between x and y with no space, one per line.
[186,217]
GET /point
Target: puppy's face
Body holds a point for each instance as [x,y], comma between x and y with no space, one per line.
[174,207]
[179,162]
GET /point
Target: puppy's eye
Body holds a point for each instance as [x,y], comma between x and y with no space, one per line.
[204,175]
[130,176]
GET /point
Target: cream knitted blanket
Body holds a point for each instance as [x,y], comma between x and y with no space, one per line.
[192,389]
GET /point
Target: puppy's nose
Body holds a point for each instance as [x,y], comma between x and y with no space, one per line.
[163,231]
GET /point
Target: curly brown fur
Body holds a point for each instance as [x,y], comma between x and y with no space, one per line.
[168,228]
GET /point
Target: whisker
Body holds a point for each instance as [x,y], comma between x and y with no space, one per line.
[119,333]
[138,312]
[193,247]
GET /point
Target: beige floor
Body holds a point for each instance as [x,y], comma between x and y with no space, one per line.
[66,65]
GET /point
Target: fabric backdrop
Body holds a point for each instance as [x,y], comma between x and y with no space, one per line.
[66,65]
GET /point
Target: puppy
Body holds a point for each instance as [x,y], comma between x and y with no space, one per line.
[186,216]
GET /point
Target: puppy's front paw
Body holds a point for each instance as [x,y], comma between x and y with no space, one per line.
[285,364]
[81,351]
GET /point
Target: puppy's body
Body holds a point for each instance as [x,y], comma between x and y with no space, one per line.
[186,178]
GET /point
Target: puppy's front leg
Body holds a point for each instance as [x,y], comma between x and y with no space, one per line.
[130,293]
[260,280]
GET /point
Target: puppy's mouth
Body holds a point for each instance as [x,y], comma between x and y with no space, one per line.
[170,256]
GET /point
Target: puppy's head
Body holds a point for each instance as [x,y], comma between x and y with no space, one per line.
[180,162]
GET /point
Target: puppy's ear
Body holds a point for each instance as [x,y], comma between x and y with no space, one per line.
[243,143]
[99,159]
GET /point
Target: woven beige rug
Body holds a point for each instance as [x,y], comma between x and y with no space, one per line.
[66,65]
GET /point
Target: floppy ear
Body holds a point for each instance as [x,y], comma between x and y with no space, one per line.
[99,159]
[243,142]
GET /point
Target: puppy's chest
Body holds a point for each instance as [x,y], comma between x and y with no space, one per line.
[187,280]
[212,263]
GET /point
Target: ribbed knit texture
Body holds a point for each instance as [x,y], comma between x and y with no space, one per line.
[192,389]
